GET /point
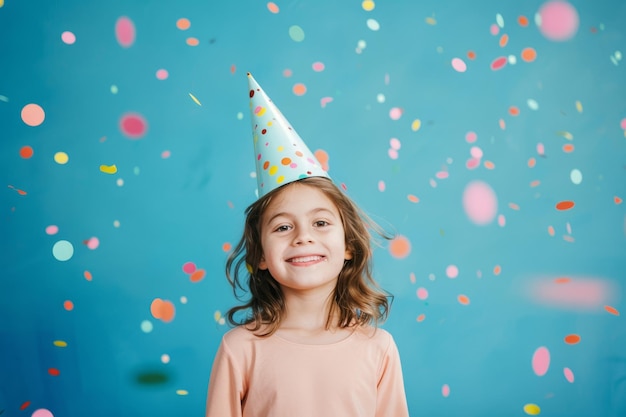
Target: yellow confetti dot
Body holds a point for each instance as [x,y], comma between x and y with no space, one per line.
[59,343]
[566,135]
[217,315]
[368,5]
[1,3]
[532,409]
[182,392]
[579,106]
[431,21]
[61,158]
[415,126]
[108,169]
[195,99]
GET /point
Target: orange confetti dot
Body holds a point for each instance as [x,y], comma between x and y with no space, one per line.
[272,7]
[504,39]
[463,299]
[26,152]
[535,183]
[497,269]
[400,247]
[522,21]
[551,230]
[299,89]
[513,206]
[502,124]
[564,205]
[562,280]
[421,317]
[193,41]
[617,200]
[226,247]
[233,68]
[572,339]
[532,162]
[568,148]
[162,309]
[529,54]
[68,305]
[285,161]
[183,23]
[489,165]
[514,111]
[54,372]
[471,55]
[87,275]
[413,199]
[197,275]
[611,310]
[322,157]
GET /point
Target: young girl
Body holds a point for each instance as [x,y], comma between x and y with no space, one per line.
[309,345]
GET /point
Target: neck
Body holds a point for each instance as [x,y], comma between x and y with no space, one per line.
[307,311]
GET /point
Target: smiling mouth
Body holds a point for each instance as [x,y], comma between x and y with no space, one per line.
[306,259]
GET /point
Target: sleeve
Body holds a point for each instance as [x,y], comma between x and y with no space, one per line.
[226,389]
[391,398]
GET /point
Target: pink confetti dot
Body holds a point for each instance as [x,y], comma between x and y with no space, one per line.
[33,115]
[470,137]
[480,202]
[569,375]
[395,113]
[68,37]
[52,230]
[166,154]
[541,149]
[499,63]
[325,100]
[459,65]
[393,154]
[452,271]
[559,20]
[442,175]
[422,293]
[476,152]
[93,243]
[381,186]
[501,220]
[133,125]
[189,267]
[623,123]
[445,390]
[125,31]
[162,74]
[541,361]
[494,29]
[395,143]
[318,66]
[42,412]
[472,163]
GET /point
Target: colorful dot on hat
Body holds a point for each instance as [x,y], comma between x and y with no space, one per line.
[285,161]
[273,170]
[280,179]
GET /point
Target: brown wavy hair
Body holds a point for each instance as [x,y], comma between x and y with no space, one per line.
[357,298]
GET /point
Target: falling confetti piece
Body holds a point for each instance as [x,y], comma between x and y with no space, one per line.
[125,32]
[68,37]
[299,89]
[197,275]
[480,202]
[373,24]
[318,66]
[272,7]
[459,65]
[325,100]
[551,231]
[504,40]
[528,54]
[133,125]
[61,158]
[452,271]
[494,29]
[226,247]
[579,107]
[192,41]
[532,409]
[400,247]
[532,104]
[26,152]
[415,125]
[26,404]
[497,270]
[323,158]
[498,63]
[558,20]
[617,200]
[522,21]
[60,343]
[395,113]
[535,183]
[566,135]
[52,230]
[54,372]
[182,392]
[569,375]
[611,310]
[572,339]
[564,205]
[33,115]
[88,275]
[445,390]
[108,169]
[195,99]
[162,74]
[471,55]
[499,20]
[463,299]
[541,361]
[183,23]
[92,243]
[576,176]
[421,318]
[431,21]
[368,5]
[296,33]
[63,250]
[514,111]
[163,310]
[413,199]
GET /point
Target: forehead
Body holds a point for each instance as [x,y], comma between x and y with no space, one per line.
[297,198]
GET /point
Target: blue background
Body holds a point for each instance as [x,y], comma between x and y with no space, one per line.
[158,213]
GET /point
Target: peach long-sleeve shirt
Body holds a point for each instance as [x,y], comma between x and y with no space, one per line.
[359,376]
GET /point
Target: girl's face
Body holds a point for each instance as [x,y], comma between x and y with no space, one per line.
[303,240]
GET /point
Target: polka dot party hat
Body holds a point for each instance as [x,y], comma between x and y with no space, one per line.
[280,154]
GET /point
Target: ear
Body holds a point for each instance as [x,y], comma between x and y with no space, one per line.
[262,264]
[347,255]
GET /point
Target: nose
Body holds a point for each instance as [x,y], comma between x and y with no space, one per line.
[302,237]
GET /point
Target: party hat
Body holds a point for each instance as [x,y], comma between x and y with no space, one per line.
[281,155]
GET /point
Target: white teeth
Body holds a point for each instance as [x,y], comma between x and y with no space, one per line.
[305,259]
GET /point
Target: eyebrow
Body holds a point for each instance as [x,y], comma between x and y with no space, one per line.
[311,212]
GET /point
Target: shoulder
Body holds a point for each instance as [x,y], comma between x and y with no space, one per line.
[238,336]
[375,336]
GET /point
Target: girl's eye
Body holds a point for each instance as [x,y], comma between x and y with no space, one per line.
[321,223]
[282,228]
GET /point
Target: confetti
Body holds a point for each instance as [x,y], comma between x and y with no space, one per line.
[68,37]
[162,310]
[532,409]
[63,250]
[480,202]
[61,158]
[368,5]
[400,247]
[33,114]
[572,339]
[558,20]
[197,275]
[373,24]
[296,33]
[125,32]
[452,271]
[528,54]
[564,205]
[498,63]
[445,390]
[459,65]
[133,125]
[42,412]
[325,100]
[611,310]
[183,23]
[195,99]
[569,375]
[299,89]
[162,74]
[108,169]
[192,41]
[463,299]
[541,361]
